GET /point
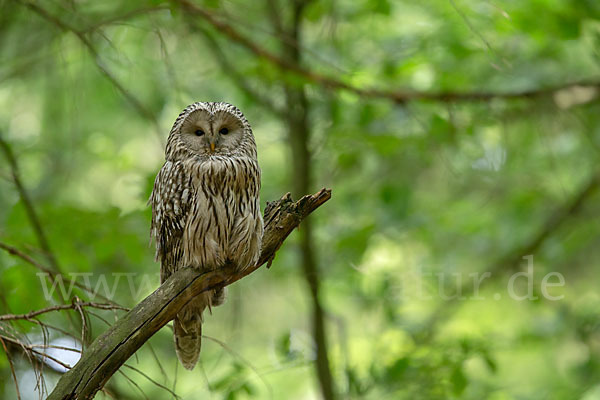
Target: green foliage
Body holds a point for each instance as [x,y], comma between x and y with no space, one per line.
[425,193]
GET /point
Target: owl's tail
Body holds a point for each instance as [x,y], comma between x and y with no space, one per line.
[188,338]
[187,327]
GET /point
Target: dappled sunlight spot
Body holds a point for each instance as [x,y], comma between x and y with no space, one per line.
[478,318]
[24,126]
[386,254]
[105,186]
[502,317]
[93,189]
[494,153]
[101,144]
[127,193]
[493,159]
[423,77]
[526,368]
[392,345]
[301,342]
[267,134]
[165,118]
[413,20]
[571,354]
[588,300]
[141,154]
[574,96]
[361,354]
[490,135]
[592,394]
[566,143]
[397,271]
[21,109]
[477,367]
[363,78]
[273,154]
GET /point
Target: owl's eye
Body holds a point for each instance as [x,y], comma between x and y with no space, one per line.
[224,131]
[199,132]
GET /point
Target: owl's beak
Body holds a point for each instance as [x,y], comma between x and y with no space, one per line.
[212,147]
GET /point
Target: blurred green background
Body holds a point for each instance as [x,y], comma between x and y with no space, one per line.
[457,136]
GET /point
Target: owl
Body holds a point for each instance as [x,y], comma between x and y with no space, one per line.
[206,207]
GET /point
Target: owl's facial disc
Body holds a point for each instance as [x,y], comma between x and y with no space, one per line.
[206,133]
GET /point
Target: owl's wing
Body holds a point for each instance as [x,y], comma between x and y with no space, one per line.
[170,207]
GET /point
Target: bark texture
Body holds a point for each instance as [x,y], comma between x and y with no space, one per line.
[112,349]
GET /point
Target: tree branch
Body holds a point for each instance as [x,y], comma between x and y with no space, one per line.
[551,224]
[18,253]
[12,368]
[28,204]
[51,274]
[81,35]
[110,351]
[399,96]
[511,261]
[299,133]
[73,306]
[236,76]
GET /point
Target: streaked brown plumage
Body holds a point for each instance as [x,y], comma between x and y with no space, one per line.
[205,206]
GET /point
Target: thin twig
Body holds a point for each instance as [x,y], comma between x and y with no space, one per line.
[73,306]
[472,28]
[12,368]
[299,132]
[16,252]
[29,208]
[29,348]
[32,216]
[236,76]
[99,317]
[152,380]
[552,223]
[160,366]
[399,96]
[510,262]
[123,17]
[134,384]
[113,348]
[51,275]
[52,346]
[45,326]
[81,35]
[243,360]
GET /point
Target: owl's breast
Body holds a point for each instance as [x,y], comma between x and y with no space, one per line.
[221,175]
[225,222]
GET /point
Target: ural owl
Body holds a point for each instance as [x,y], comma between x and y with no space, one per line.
[205,207]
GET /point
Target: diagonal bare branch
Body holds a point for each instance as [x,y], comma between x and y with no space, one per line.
[111,350]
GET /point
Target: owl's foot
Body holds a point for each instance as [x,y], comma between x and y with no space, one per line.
[218,297]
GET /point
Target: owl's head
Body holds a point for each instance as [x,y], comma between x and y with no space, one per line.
[208,129]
